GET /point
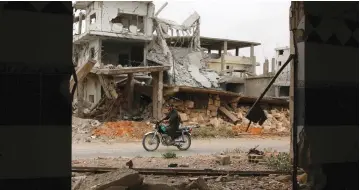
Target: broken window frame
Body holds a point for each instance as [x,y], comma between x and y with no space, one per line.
[129,18]
[91,98]
[281,52]
[92,53]
[93,18]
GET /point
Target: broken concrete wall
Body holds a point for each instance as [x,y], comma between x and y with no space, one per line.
[231,62]
[131,19]
[234,87]
[120,17]
[86,51]
[254,86]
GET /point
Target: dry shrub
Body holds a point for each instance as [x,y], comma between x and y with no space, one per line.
[169,155]
[279,162]
[210,131]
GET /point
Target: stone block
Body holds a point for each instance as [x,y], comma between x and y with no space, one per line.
[212,108]
[217,103]
[253,158]
[213,114]
[211,101]
[223,159]
[157,187]
[189,104]
[183,116]
[122,177]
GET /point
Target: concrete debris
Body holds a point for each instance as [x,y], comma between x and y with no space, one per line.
[195,73]
[109,66]
[255,151]
[278,118]
[283,178]
[122,177]
[222,179]
[157,187]
[187,64]
[130,179]
[189,22]
[199,183]
[223,159]
[82,129]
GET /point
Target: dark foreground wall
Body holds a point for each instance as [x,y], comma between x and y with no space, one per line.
[35,111]
[327,92]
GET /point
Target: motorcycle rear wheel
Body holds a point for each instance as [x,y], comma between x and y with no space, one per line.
[149,137]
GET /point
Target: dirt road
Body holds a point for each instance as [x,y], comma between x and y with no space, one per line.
[201,147]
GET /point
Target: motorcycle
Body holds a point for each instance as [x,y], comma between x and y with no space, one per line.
[182,142]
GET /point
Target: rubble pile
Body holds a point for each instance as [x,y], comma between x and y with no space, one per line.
[189,114]
[278,118]
[82,129]
[278,121]
[129,129]
[130,179]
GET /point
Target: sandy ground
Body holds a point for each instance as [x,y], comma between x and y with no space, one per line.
[271,182]
[238,162]
[198,147]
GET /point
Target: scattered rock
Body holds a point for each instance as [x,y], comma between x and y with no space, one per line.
[157,187]
[199,183]
[223,159]
[189,104]
[302,179]
[117,188]
[121,177]
[283,178]
[236,157]
[222,179]
[184,165]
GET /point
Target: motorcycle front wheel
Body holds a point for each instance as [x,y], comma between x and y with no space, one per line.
[149,140]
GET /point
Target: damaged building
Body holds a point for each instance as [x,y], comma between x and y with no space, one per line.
[129,61]
[110,44]
[223,70]
[282,83]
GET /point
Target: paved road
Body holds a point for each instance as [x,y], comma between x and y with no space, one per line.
[202,147]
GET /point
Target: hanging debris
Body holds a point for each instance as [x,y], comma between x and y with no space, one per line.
[187,65]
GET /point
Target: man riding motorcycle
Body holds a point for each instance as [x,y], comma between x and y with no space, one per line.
[174,121]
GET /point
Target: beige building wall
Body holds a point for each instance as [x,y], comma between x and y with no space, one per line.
[92,89]
[231,62]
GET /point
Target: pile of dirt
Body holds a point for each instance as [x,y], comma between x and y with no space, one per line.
[88,130]
[125,129]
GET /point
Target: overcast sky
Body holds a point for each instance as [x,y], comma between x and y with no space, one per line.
[266,22]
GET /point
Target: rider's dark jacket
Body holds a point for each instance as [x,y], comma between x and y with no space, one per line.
[174,121]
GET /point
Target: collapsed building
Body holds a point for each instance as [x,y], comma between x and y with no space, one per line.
[129,61]
[115,36]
